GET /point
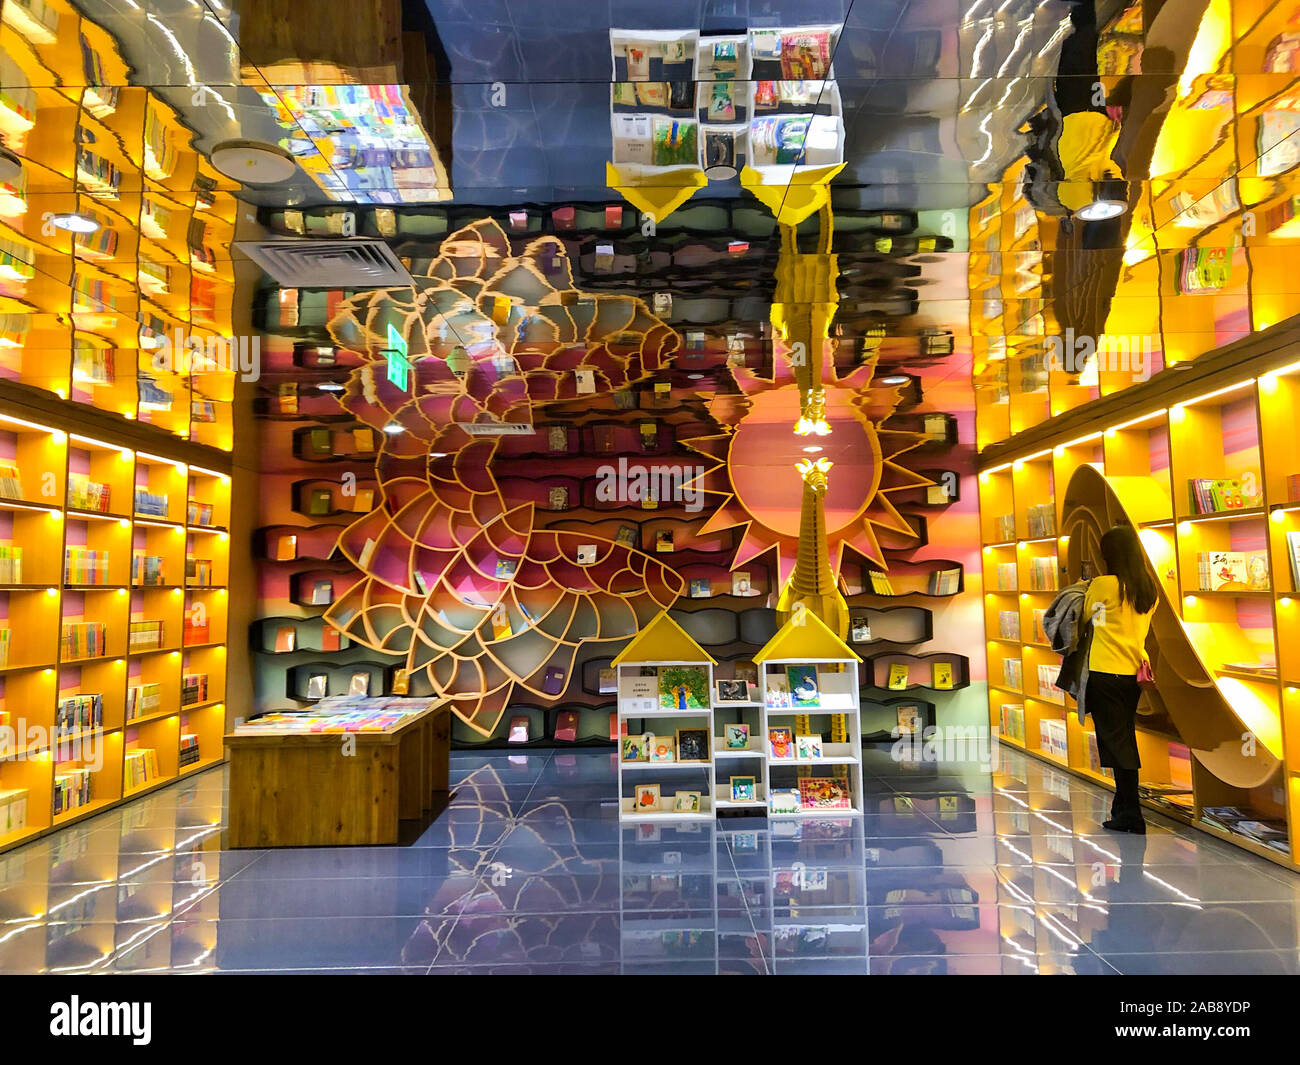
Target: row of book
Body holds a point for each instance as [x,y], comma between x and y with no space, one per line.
[92,365]
[71,790]
[11,484]
[194,688]
[1006,577]
[194,632]
[944,582]
[151,504]
[82,639]
[1052,737]
[85,494]
[77,712]
[1211,495]
[85,565]
[1013,674]
[4,647]
[141,767]
[1269,831]
[148,570]
[1232,571]
[13,810]
[11,564]
[1043,573]
[144,636]
[1004,527]
[198,572]
[286,639]
[198,513]
[1047,689]
[1041,520]
[142,700]
[318,685]
[941,676]
[1009,624]
[189,749]
[322,442]
[1011,718]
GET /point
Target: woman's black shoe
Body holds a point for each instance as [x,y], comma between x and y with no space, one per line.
[1136,825]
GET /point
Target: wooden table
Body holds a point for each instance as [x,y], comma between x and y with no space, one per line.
[309,789]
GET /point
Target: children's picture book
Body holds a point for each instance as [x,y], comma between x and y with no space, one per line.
[647,797]
[317,686]
[898,676]
[586,554]
[744,789]
[732,691]
[566,726]
[860,630]
[943,676]
[780,743]
[783,801]
[808,746]
[359,684]
[664,540]
[505,568]
[686,802]
[740,583]
[693,744]
[557,438]
[518,729]
[778,692]
[684,688]
[805,693]
[909,720]
[736,736]
[662,749]
[824,793]
[559,497]
[636,748]
[607,681]
[700,588]
[626,536]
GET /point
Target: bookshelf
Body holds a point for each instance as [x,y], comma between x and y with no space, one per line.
[96,318]
[1206,473]
[101,661]
[664,654]
[826,778]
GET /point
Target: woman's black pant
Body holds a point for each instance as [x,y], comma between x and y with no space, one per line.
[1112,699]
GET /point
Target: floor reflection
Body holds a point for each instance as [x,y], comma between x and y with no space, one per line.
[951,870]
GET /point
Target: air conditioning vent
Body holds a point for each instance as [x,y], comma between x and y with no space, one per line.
[328,263]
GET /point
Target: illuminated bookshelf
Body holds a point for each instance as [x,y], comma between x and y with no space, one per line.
[1226,651]
[73,509]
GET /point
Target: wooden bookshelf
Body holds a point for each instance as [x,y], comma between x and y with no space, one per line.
[84,314]
[1227,652]
[76,569]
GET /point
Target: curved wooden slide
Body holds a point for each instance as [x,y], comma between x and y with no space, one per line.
[1235,734]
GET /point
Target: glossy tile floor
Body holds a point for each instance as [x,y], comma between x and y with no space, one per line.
[950,871]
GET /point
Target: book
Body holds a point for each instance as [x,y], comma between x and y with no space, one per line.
[317,686]
[736,736]
[663,749]
[700,588]
[636,748]
[740,583]
[359,683]
[320,501]
[942,675]
[558,497]
[783,800]
[626,536]
[860,630]
[505,568]
[586,554]
[909,720]
[585,381]
[664,540]
[285,548]
[805,691]
[898,676]
[808,746]
[607,681]
[824,793]
[518,731]
[553,680]
[777,694]
[566,726]
[322,593]
[684,688]
[780,743]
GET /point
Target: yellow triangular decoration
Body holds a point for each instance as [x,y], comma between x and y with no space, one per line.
[808,191]
[656,194]
[663,640]
[805,638]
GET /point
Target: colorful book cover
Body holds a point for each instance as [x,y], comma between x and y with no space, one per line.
[898,676]
[780,743]
[808,746]
[943,676]
[824,793]
[683,688]
[566,726]
[777,695]
[805,693]
[736,736]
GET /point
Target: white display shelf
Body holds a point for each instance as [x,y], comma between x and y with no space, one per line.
[627,813]
[634,766]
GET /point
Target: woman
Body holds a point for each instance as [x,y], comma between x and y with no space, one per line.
[1120,605]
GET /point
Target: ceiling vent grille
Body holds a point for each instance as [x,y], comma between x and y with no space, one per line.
[328,263]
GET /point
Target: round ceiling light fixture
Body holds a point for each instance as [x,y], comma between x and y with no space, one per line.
[720,172]
[73,222]
[253,162]
[895,379]
[1100,210]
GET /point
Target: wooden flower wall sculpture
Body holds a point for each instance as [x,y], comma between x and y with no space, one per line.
[460,578]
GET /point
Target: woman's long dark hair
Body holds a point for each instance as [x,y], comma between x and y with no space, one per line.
[1122,553]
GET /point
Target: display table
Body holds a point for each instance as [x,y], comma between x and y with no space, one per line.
[344,773]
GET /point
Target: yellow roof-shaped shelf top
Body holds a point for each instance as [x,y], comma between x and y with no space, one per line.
[663,640]
[806,638]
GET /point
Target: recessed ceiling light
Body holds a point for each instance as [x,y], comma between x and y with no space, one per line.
[437,454]
[392,429]
[1100,210]
[330,386]
[695,376]
[73,222]
[895,379]
[253,162]
[811,450]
